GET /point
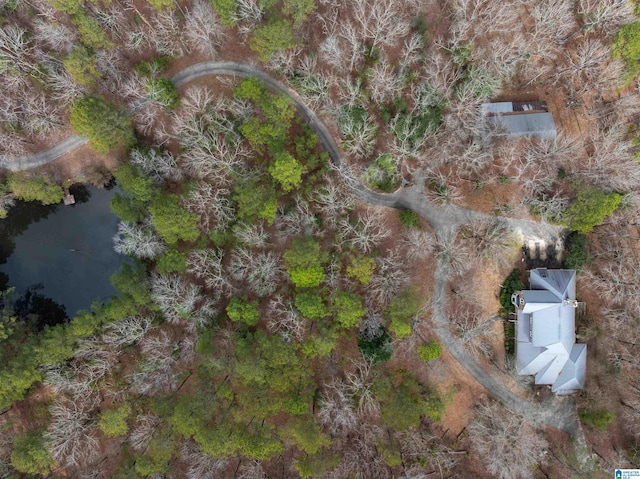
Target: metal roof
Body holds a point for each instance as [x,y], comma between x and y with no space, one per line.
[545,332]
[539,124]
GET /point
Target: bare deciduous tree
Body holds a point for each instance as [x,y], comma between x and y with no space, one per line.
[203,29]
[359,384]
[212,156]
[418,244]
[606,15]
[358,131]
[284,319]
[261,271]
[610,164]
[251,235]
[379,22]
[67,379]
[333,200]
[138,240]
[419,447]
[154,376]
[491,241]
[337,409]
[206,264]
[159,164]
[143,431]
[55,35]
[71,433]
[15,48]
[249,13]
[554,21]
[384,82]
[213,205]
[372,325]
[366,232]
[389,278]
[491,435]
[251,470]
[166,33]
[300,220]
[200,465]
[127,331]
[180,300]
[442,188]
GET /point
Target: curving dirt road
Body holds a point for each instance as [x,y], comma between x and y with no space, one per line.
[43,157]
[558,413]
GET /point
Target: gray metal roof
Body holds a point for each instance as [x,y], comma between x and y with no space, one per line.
[545,332]
[573,376]
[497,107]
[539,124]
[560,282]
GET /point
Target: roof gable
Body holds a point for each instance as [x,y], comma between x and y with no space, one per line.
[573,375]
[560,282]
[545,332]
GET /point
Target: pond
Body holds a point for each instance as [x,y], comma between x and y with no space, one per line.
[61,254]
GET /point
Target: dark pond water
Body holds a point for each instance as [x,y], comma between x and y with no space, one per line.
[62,253]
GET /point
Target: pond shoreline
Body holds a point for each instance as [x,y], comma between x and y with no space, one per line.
[67,249]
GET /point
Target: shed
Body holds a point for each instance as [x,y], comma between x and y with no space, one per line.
[520,119]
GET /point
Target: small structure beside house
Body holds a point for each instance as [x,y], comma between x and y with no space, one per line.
[520,119]
[545,331]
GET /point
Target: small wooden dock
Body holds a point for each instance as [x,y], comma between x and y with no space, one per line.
[68,199]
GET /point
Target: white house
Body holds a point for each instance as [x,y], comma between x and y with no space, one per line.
[545,331]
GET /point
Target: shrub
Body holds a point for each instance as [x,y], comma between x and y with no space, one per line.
[589,209]
[298,10]
[509,286]
[227,10]
[161,4]
[278,111]
[378,349]
[403,308]
[627,47]
[172,261]
[271,38]
[113,422]
[404,401]
[172,221]
[598,418]
[432,350]
[68,6]
[81,65]
[349,309]
[311,305]
[35,188]
[577,252]
[30,454]
[255,200]
[361,269]
[127,209]
[312,466]
[287,171]
[304,261]
[240,310]
[103,123]
[134,183]
[409,218]
[383,174]
[164,92]
[91,35]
